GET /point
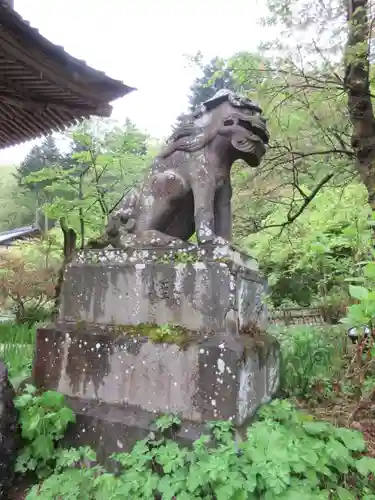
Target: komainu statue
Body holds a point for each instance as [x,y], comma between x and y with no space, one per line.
[188,188]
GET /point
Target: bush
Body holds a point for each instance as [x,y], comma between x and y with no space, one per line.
[27,282]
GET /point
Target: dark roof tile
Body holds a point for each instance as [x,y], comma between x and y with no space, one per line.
[42,87]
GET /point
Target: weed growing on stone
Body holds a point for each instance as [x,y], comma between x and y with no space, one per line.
[167,333]
[286,455]
[170,334]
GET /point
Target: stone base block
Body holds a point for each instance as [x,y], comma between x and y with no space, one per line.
[214,377]
[114,428]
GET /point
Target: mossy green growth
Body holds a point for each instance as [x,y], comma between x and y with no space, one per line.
[81,325]
[224,260]
[168,334]
[171,334]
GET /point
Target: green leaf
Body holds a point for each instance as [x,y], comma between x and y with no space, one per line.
[184,495]
[317,428]
[43,447]
[31,424]
[352,439]
[344,494]
[369,270]
[225,491]
[30,389]
[66,416]
[358,292]
[365,466]
[52,399]
[22,401]
[196,478]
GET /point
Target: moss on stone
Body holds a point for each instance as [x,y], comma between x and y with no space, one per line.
[223,260]
[168,334]
[255,338]
[81,325]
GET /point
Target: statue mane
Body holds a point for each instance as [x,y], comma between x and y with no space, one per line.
[190,137]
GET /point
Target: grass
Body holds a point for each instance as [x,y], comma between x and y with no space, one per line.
[314,373]
[17,350]
[17,334]
[313,358]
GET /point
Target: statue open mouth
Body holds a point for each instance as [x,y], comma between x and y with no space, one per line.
[256,130]
[248,135]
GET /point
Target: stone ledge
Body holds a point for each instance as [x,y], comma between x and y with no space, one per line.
[173,254]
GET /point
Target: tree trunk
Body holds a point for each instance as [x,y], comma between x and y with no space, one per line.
[357,86]
[70,243]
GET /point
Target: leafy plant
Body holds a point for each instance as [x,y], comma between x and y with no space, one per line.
[362,314]
[44,419]
[18,358]
[171,334]
[168,422]
[363,311]
[16,334]
[178,258]
[286,455]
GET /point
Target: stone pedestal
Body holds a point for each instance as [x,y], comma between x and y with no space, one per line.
[120,370]
[207,290]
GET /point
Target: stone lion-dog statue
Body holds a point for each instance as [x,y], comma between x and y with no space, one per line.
[188,190]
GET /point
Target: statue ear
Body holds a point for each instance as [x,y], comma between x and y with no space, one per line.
[203,120]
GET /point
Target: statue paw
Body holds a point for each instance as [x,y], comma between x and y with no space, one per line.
[215,241]
[220,241]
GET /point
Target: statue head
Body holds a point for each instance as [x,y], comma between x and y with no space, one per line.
[240,121]
[232,122]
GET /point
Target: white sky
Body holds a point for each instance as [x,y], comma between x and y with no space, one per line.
[143,43]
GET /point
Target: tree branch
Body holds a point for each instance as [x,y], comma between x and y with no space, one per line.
[306,201]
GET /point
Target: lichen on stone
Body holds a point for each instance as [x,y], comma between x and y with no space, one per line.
[179,257]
